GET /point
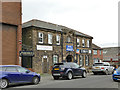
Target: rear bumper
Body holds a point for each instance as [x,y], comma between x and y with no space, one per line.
[59,74]
[96,70]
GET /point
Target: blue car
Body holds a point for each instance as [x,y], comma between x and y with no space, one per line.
[16,74]
[116,75]
[68,70]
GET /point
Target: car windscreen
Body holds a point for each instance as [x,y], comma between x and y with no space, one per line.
[118,69]
[98,64]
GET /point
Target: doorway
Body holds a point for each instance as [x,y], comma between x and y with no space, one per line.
[69,58]
[45,65]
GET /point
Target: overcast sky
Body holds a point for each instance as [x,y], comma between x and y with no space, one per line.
[98,18]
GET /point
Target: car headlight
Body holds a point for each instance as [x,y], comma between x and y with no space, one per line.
[62,68]
[115,72]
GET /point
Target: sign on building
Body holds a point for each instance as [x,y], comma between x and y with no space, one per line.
[46,48]
[69,48]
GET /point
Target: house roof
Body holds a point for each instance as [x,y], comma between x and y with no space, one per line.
[95,46]
[51,26]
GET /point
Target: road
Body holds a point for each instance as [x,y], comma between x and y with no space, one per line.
[92,81]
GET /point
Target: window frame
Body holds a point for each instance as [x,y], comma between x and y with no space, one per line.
[54,57]
[95,53]
[58,39]
[39,37]
[50,38]
[78,42]
[83,42]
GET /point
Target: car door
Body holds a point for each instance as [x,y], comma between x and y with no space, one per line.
[76,69]
[25,75]
[12,74]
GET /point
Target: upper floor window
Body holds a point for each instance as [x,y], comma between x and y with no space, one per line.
[68,39]
[57,39]
[86,60]
[78,42]
[95,52]
[88,43]
[100,52]
[83,42]
[40,37]
[49,38]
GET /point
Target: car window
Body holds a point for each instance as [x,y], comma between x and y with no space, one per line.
[74,65]
[98,64]
[118,69]
[11,69]
[2,68]
[21,69]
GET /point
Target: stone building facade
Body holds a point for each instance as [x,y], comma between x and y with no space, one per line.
[45,44]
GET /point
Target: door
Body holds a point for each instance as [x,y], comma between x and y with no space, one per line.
[45,66]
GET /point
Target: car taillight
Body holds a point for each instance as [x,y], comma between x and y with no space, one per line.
[102,68]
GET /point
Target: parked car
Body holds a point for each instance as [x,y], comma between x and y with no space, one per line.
[116,75]
[16,74]
[102,67]
[68,70]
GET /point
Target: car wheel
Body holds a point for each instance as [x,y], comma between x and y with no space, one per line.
[56,78]
[69,75]
[114,80]
[3,83]
[35,80]
[106,72]
[84,74]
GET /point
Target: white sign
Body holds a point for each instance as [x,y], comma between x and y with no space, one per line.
[41,47]
[44,56]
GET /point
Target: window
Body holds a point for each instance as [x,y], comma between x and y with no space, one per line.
[22,70]
[57,39]
[86,60]
[78,42]
[11,69]
[100,52]
[88,43]
[83,43]
[80,59]
[68,39]
[49,38]
[95,52]
[55,59]
[40,37]
[2,68]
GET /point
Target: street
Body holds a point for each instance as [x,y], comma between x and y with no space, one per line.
[92,81]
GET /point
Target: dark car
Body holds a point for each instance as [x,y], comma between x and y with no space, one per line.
[67,70]
[116,74]
[16,74]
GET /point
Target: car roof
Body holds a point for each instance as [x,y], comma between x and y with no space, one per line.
[9,66]
[63,63]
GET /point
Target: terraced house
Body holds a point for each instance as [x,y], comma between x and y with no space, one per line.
[45,44]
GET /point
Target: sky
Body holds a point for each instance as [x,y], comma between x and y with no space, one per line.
[97,18]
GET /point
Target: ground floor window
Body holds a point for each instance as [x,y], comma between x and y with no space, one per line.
[27,62]
[81,60]
[55,59]
[86,60]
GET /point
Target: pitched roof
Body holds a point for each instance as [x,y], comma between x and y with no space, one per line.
[95,46]
[51,26]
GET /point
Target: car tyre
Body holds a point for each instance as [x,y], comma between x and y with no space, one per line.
[35,80]
[107,72]
[69,75]
[4,83]
[114,80]
[84,74]
[55,77]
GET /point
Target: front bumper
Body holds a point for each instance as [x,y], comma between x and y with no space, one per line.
[116,77]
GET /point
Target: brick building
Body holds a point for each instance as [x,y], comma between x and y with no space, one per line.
[112,55]
[97,53]
[11,27]
[46,43]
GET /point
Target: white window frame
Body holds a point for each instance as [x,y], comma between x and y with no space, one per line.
[68,39]
[83,42]
[86,60]
[80,60]
[49,38]
[78,42]
[39,36]
[58,39]
[95,52]
[88,43]
[55,59]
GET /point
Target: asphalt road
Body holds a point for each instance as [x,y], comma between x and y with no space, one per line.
[92,81]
